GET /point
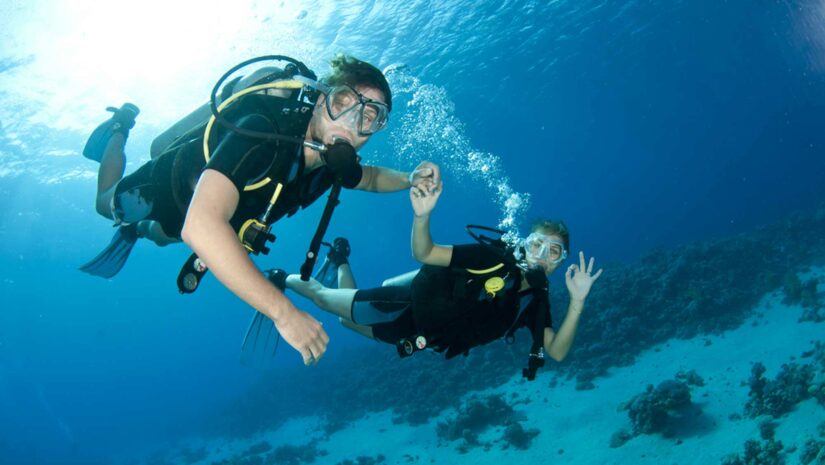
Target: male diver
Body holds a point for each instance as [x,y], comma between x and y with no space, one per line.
[269,150]
[464,295]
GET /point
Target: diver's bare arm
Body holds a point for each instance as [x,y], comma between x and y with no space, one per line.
[423,200]
[380,179]
[208,232]
[423,248]
[558,345]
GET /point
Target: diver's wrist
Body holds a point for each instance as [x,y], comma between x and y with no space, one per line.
[275,313]
[279,309]
[576,305]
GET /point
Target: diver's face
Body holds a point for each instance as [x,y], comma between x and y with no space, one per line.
[327,130]
[547,260]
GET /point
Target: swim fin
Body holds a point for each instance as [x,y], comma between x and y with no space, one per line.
[110,261]
[262,338]
[327,274]
[260,343]
[339,251]
[338,255]
[121,121]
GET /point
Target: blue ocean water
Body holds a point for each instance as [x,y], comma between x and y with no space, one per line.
[644,126]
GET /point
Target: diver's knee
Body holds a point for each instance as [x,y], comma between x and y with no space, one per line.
[103,206]
[320,300]
[153,231]
[157,146]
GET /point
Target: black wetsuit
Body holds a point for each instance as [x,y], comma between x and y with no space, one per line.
[166,183]
[448,305]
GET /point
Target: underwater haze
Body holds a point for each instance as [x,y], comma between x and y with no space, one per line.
[683,143]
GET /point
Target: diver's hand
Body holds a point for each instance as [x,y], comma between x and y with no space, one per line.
[426,176]
[423,201]
[579,278]
[304,333]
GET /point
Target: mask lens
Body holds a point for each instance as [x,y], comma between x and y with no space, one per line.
[554,252]
[370,116]
[373,117]
[542,249]
[341,100]
[534,247]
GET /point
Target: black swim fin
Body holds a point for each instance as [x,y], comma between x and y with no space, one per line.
[262,338]
[109,262]
[121,121]
[260,343]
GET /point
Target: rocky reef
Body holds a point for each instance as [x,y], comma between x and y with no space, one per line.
[478,415]
[263,454]
[663,409]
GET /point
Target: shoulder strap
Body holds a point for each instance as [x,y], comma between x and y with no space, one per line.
[535,359]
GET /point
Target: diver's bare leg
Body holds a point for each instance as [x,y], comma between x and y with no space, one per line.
[346,280]
[335,301]
[111,171]
[403,280]
[365,331]
[153,231]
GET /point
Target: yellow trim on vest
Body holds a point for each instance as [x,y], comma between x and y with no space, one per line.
[488,270]
[284,84]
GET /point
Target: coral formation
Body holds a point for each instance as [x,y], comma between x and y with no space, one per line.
[262,454]
[778,396]
[364,460]
[516,436]
[758,453]
[813,451]
[691,378]
[653,410]
[805,294]
[294,455]
[477,416]
[259,448]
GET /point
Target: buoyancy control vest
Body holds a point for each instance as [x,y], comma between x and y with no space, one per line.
[458,309]
[282,189]
[184,157]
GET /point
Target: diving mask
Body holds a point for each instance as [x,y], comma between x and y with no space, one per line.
[367,116]
[542,249]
